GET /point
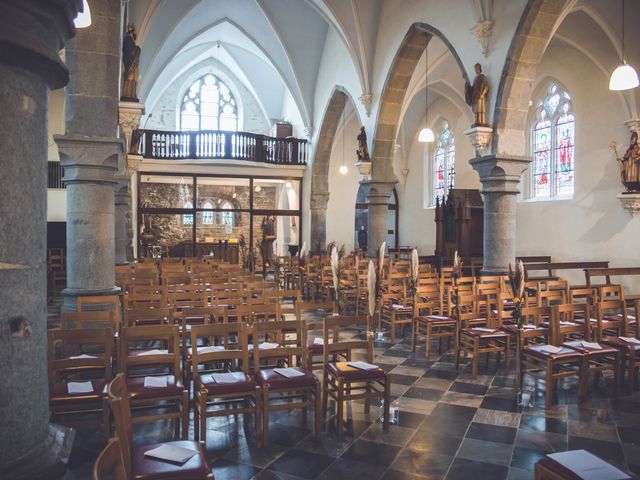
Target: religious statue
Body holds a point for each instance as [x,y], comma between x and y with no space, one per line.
[629,164]
[363,151]
[476,96]
[131,59]
[268,227]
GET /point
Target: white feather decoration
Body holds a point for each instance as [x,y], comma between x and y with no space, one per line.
[334,267]
[383,247]
[415,265]
[371,287]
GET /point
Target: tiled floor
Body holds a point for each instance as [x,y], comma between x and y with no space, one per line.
[450,427]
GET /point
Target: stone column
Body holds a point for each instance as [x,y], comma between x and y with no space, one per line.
[500,178]
[31,35]
[378,214]
[318,236]
[89,153]
[129,116]
[122,206]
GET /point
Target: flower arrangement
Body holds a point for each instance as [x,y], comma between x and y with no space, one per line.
[456,273]
[336,272]
[516,279]
[413,274]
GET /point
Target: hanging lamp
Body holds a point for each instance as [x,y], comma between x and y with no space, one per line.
[83,19]
[426,134]
[624,77]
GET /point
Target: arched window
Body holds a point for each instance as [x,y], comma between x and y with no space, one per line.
[444,159]
[208,105]
[187,218]
[207,217]
[553,145]
[227,216]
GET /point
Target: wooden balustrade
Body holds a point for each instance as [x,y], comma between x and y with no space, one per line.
[211,144]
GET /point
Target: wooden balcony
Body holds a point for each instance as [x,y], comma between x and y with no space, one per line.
[212,144]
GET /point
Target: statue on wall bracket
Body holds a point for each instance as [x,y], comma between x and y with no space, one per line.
[476,96]
[629,164]
[131,60]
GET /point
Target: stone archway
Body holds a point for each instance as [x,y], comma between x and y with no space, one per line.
[537,25]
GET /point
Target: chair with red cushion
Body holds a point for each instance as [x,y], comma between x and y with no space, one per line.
[344,382]
[280,392]
[139,466]
[80,355]
[153,353]
[214,396]
[427,320]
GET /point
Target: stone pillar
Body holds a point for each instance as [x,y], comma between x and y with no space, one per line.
[129,114]
[500,178]
[378,214]
[318,236]
[122,206]
[31,35]
[89,153]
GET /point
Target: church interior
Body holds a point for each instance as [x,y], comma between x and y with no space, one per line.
[319,239]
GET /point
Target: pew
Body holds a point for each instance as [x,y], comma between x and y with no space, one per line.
[550,267]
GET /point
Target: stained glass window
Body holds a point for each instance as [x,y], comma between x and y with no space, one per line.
[187,218]
[444,158]
[208,105]
[553,139]
[227,217]
[207,217]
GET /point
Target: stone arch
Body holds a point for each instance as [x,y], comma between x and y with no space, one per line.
[320,166]
[395,88]
[537,25]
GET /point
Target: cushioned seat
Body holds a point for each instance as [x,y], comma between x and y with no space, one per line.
[617,318]
[482,334]
[276,381]
[315,348]
[59,395]
[539,351]
[137,390]
[341,369]
[145,467]
[578,346]
[213,388]
[619,343]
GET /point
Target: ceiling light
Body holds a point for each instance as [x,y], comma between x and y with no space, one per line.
[426,134]
[83,19]
[624,77]
[343,169]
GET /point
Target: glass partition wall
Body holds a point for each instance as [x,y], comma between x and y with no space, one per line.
[227,217]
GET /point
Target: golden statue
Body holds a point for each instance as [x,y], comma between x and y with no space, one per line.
[629,164]
[363,151]
[476,96]
[131,59]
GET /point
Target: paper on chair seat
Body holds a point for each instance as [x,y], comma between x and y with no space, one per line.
[397,307]
[567,323]
[631,340]
[228,377]
[155,382]
[171,453]
[289,372]
[267,346]
[153,352]
[438,317]
[318,341]
[84,355]
[210,349]
[587,466]
[482,329]
[550,348]
[594,345]
[362,365]
[529,326]
[79,387]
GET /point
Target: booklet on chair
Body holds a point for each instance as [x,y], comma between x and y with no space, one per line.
[362,365]
[171,453]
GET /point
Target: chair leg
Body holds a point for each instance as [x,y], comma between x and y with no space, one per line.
[413,335]
[506,355]
[339,408]
[185,415]
[258,415]
[196,420]
[550,380]
[476,354]
[106,420]
[318,411]
[325,393]
[265,416]
[203,419]
[428,341]
[387,404]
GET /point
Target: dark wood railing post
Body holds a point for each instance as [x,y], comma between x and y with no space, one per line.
[294,152]
[259,148]
[148,144]
[192,144]
[228,153]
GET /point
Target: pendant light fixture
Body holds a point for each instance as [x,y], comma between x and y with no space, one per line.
[83,19]
[624,77]
[426,134]
[343,168]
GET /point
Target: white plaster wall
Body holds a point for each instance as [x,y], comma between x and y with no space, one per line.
[56,198]
[593,225]
[165,111]
[417,226]
[343,189]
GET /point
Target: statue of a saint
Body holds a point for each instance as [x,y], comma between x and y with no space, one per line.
[476,96]
[268,227]
[131,59]
[363,151]
[629,164]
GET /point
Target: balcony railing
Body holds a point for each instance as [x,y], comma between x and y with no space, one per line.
[212,144]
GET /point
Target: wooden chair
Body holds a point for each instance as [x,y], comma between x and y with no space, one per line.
[101,302]
[109,464]
[395,312]
[148,316]
[315,343]
[481,339]
[343,382]
[90,319]
[280,392]
[80,356]
[165,361]
[136,464]
[213,395]
[425,322]
[570,322]
[630,350]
